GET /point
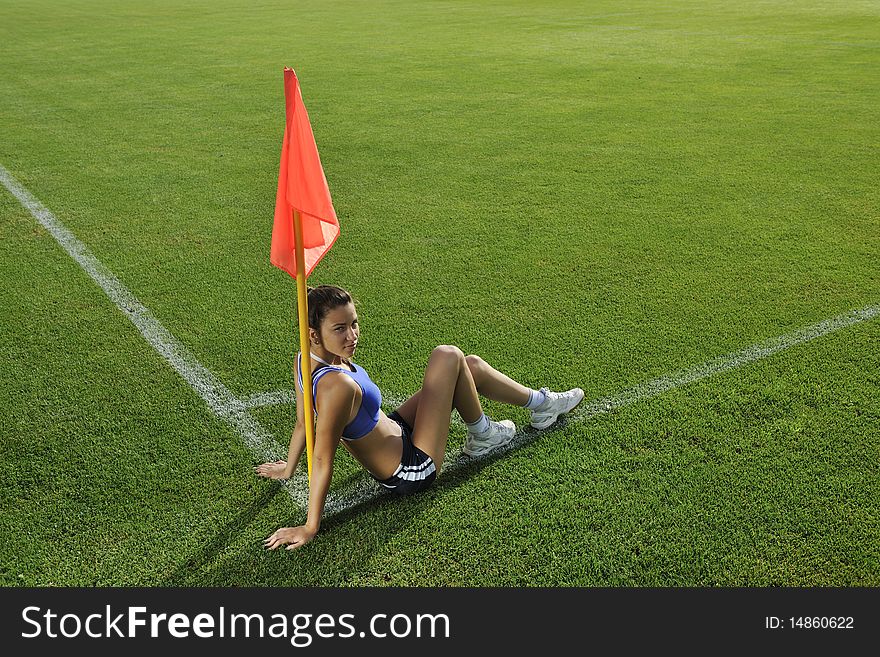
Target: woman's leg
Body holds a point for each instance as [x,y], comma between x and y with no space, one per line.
[448,384]
[490,383]
[494,385]
[546,406]
[457,381]
[408,409]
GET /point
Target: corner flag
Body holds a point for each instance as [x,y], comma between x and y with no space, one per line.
[302,187]
[305,225]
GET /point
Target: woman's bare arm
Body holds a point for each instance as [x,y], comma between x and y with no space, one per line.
[338,395]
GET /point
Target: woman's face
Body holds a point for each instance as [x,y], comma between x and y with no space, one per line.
[340,331]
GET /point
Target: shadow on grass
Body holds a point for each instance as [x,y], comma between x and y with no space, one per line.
[347,541]
[224,537]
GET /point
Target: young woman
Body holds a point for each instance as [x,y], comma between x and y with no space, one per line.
[403,451]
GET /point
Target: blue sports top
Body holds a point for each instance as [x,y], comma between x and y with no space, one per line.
[371,398]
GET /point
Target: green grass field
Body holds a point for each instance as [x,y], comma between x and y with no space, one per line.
[589,194]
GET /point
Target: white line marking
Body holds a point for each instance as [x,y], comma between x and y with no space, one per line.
[276,398]
[235,411]
[729,362]
[218,397]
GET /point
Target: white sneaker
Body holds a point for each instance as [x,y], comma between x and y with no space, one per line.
[555,405]
[497,435]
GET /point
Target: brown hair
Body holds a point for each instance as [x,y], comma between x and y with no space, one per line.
[323,299]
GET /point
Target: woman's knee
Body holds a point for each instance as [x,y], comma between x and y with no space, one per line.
[447,352]
[475,365]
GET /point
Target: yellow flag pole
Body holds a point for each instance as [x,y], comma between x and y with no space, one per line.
[302,306]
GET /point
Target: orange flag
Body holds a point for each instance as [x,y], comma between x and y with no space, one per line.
[301,187]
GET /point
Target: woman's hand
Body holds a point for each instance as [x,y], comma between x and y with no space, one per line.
[276,470]
[295,536]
